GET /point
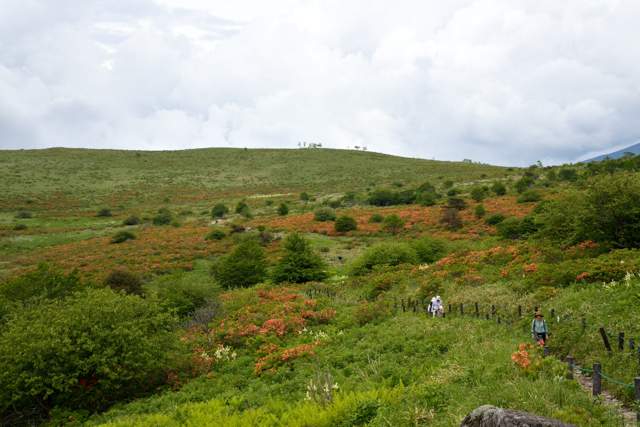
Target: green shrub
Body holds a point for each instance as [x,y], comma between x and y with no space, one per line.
[392,224]
[121,236]
[345,223]
[324,214]
[131,220]
[383,254]
[122,279]
[523,183]
[457,203]
[304,196]
[175,223]
[510,227]
[104,212]
[499,188]
[219,210]
[426,199]
[495,219]
[529,196]
[84,351]
[185,212]
[245,266]
[376,218]
[451,218]
[429,249]
[45,282]
[479,211]
[299,263]
[283,209]
[22,214]
[241,206]
[183,294]
[163,217]
[215,234]
[477,194]
[453,192]
[20,227]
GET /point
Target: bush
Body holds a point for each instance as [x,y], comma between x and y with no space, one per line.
[215,234]
[451,218]
[241,206]
[304,196]
[477,194]
[499,188]
[183,294]
[453,192]
[393,224]
[345,223]
[376,218]
[185,212]
[479,211]
[457,203]
[523,183]
[219,210]
[529,196]
[22,214]
[244,267]
[299,263]
[429,249]
[426,199]
[85,351]
[324,214]
[383,254]
[132,220]
[510,227]
[104,212]
[283,209]
[122,279]
[45,282]
[20,227]
[163,217]
[121,236]
[495,219]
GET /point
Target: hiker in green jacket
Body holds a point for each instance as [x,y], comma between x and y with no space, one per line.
[539,331]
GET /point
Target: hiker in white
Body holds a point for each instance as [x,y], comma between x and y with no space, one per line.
[436,306]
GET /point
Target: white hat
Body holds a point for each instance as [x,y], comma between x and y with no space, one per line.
[438,297]
[433,299]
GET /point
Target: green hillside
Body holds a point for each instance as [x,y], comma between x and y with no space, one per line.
[301,300]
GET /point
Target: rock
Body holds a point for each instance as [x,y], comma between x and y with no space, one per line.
[490,416]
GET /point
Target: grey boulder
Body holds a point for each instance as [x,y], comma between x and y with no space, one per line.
[490,416]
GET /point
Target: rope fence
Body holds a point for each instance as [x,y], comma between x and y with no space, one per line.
[417,305]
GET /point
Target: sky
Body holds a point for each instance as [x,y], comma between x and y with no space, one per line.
[504,82]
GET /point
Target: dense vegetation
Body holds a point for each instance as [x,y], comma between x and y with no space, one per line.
[286,287]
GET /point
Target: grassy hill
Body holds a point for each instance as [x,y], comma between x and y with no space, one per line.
[354,349]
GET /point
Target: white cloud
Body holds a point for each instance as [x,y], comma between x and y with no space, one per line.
[492,80]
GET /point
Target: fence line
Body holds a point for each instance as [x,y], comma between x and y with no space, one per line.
[476,314]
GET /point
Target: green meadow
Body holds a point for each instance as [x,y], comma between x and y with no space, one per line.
[301,300]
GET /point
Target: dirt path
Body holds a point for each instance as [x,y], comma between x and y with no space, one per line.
[609,400]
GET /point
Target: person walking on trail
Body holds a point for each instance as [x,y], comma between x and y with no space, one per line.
[539,331]
[436,306]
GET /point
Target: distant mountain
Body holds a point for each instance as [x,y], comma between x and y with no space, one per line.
[635,149]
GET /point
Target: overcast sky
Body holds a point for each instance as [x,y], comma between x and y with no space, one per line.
[504,82]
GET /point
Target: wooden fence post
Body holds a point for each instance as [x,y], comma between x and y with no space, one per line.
[605,339]
[519,311]
[569,360]
[493,310]
[547,352]
[461,310]
[449,308]
[498,320]
[487,316]
[631,344]
[621,341]
[505,310]
[636,380]
[584,323]
[597,379]
[477,312]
